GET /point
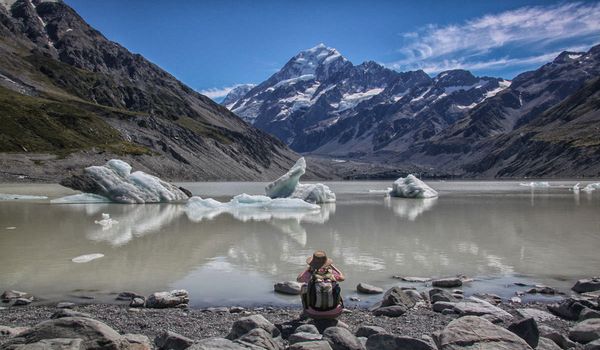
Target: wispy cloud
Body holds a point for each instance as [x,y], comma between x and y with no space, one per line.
[218,93]
[534,33]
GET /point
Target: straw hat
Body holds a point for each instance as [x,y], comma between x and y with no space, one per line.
[318,260]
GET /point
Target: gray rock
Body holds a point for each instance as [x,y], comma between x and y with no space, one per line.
[436,294]
[323,324]
[216,344]
[368,289]
[413,295]
[12,294]
[588,313]
[170,340]
[341,339]
[137,302]
[587,285]
[174,298]
[396,296]
[69,313]
[527,329]
[414,279]
[138,341]
[363,341]
[236,309]
[313,345]
[65,305]
[258,337]
[22,301]
[537,315]
[477,307]
[595,345]
[447,282]
[49,344]
[568,309]
[585,331]
[246,324]
[126,296]
[547,344]
[440,306]
[95,334]
[390,311]
[471,332]
[557,337]
[288,287]
[367,331]
[307,328]
[303,336]
[394,342]
[11,331]
[542,290]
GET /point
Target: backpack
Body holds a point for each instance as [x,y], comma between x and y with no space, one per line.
[323,290]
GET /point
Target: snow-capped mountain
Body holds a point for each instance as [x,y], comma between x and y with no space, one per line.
[320,102]
[236,93]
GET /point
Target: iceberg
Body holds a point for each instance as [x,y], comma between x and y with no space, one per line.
[24,197]
[289,186]
[87,258]
[81,198]
[589,188]
[411,187]
[115,181]
[538,184]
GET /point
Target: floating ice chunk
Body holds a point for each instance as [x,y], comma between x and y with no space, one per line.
[115,181]
[87,258]
[288,186]
[386,191]
[592,187]
[106,221]
[576,188]
[81,198]
[24,197]
[538,184]
[411,187]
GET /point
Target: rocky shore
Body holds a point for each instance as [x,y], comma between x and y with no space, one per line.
[438,318]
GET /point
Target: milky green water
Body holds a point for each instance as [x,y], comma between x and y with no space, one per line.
[497,232]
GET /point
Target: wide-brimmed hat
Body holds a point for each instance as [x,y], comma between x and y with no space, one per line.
[318,259]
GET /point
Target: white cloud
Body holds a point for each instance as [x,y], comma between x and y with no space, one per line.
[537,29]
[217,93]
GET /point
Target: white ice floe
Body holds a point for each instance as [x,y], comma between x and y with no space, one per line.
[576,188]
[19,197]
[116,182]
[591,187]
[411,187]
[87,258]
[82,198]
[386,191]
[535,184]
[106,221]
[289,186]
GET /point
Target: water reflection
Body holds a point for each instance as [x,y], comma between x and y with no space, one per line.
[409,208]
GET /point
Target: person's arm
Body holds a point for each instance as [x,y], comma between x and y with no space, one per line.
[339,276]
[304,276]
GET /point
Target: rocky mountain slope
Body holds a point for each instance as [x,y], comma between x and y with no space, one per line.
[321,104]
[69,98]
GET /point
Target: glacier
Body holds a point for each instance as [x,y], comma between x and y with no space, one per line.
[289,186]
[411,187]
[115,181]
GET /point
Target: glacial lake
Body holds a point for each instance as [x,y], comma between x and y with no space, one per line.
[496,232]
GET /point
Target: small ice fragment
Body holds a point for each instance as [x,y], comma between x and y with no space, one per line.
[81,198]
[388,190]
[11,228]
[10,197]
[411,187]
[87,258]
[576,188]
[535,184]
[592,187]
[106,221]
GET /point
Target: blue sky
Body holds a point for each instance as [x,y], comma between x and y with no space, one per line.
[214,45]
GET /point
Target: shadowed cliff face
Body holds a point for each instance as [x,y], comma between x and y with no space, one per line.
[66,90]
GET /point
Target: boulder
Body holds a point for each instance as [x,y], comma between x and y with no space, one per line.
[49,344]
[436,294]
[390,311]
[447,282]
[94,334]
[441,306]
[22,301]
[303,336]
[547,344]
[558,338]
[585,331]
[167,340]
[69,313]
[367,331]
[11,331]
[588,313]
[394,342]
[396,296]
[542,290]
[288,287]
[307,328]
[8,295]
[537,315]
[368,289]
[246,324]
[413,279]
[138,341]
[162,300]
[587,285]
[323,324]
[568,309]
[595,345]
[216,344]
[527,329]
[477,307]
[342,339]
[258,337]
[313,345]
[137,302]
[127,296]
[472,332]
[413,295]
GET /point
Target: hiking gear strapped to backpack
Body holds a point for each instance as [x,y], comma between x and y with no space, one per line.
[323,291]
